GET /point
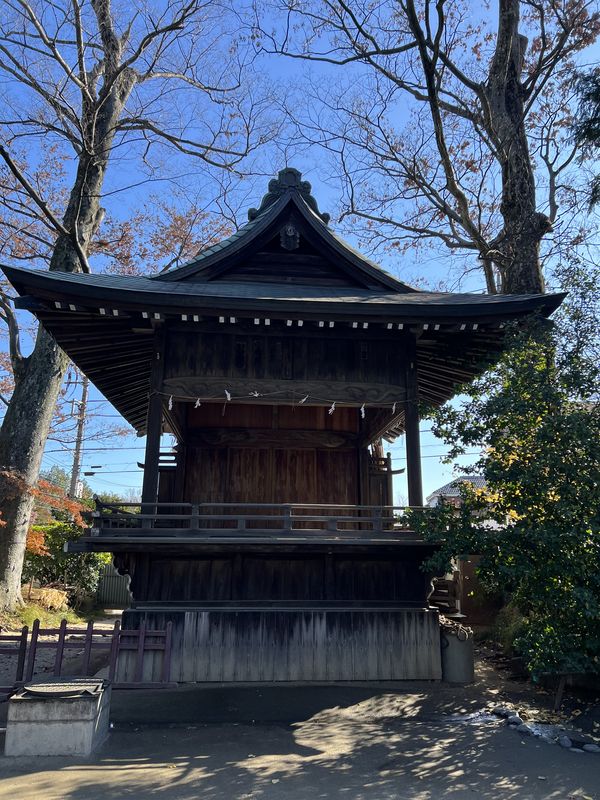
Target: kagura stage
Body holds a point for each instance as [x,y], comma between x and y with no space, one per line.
[278,359]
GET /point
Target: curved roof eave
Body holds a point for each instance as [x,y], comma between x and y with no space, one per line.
[139,292]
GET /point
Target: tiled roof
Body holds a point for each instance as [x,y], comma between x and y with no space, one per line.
[292,194]
[452,489]
[139,288]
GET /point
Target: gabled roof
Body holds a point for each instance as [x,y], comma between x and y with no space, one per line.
[453,488]
[288,201]
[104,323]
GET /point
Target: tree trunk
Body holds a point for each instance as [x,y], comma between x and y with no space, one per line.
[516,251]
[29,414]
[22,439]
[524,227]
[38,380]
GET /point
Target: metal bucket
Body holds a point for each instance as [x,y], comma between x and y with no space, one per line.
[458,660]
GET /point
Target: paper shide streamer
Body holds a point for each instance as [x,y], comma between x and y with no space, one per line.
[256,394]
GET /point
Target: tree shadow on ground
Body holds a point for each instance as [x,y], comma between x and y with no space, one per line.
[364,744]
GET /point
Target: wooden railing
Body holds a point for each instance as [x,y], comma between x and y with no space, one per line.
[139,644]
[241,519]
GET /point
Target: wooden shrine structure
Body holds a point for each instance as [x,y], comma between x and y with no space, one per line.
[278,359]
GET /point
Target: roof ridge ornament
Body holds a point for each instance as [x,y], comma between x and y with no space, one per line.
[287,180]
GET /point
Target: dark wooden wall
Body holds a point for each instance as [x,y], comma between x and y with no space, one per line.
[270,454]
[307,575]
[273,454]
[284,417]
[329,365]
[314,579]
[270,475]
[305,265]
[277,644]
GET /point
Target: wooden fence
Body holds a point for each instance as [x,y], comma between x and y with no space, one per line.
[25,646]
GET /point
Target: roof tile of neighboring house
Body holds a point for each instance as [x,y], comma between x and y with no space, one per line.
[452,489]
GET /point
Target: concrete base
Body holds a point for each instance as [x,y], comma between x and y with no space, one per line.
[57,726]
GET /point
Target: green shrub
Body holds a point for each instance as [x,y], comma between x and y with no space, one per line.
[50,564]
[535,419]
[508,627]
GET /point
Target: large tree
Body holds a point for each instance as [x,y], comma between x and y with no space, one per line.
[536,525]
[587,124]
[448,123]
[147,81]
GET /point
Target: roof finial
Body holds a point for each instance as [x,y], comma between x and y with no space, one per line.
[288,180]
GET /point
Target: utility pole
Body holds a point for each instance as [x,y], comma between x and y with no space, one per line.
[79,439]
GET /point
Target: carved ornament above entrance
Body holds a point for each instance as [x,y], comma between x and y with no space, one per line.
[288,179]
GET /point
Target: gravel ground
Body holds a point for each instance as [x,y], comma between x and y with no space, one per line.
[338,753]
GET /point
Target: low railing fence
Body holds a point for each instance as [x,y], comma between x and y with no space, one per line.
[139,644]
[218,518]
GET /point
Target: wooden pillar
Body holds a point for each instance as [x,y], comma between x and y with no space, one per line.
[411,427]
[154,423]
[364,495]
[179,490]
[389,479]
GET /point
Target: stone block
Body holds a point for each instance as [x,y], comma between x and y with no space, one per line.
[57,726]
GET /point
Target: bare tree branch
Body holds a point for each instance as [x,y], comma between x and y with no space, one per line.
[433,124]
[7,315]
[95,85]
[43,206]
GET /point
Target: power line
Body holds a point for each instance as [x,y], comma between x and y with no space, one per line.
[97,449]
[441,455]
[118,472]
[399,458]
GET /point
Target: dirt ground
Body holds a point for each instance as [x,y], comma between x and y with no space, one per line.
[414,741]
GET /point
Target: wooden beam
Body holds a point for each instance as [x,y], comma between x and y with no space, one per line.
[179,487]
[364,495]
[262,437]
[411,427]
[154,424]
[390,480]
[176,421]
[379,421]
[353,391]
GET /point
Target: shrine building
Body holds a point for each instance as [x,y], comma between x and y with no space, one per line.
[278,359]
